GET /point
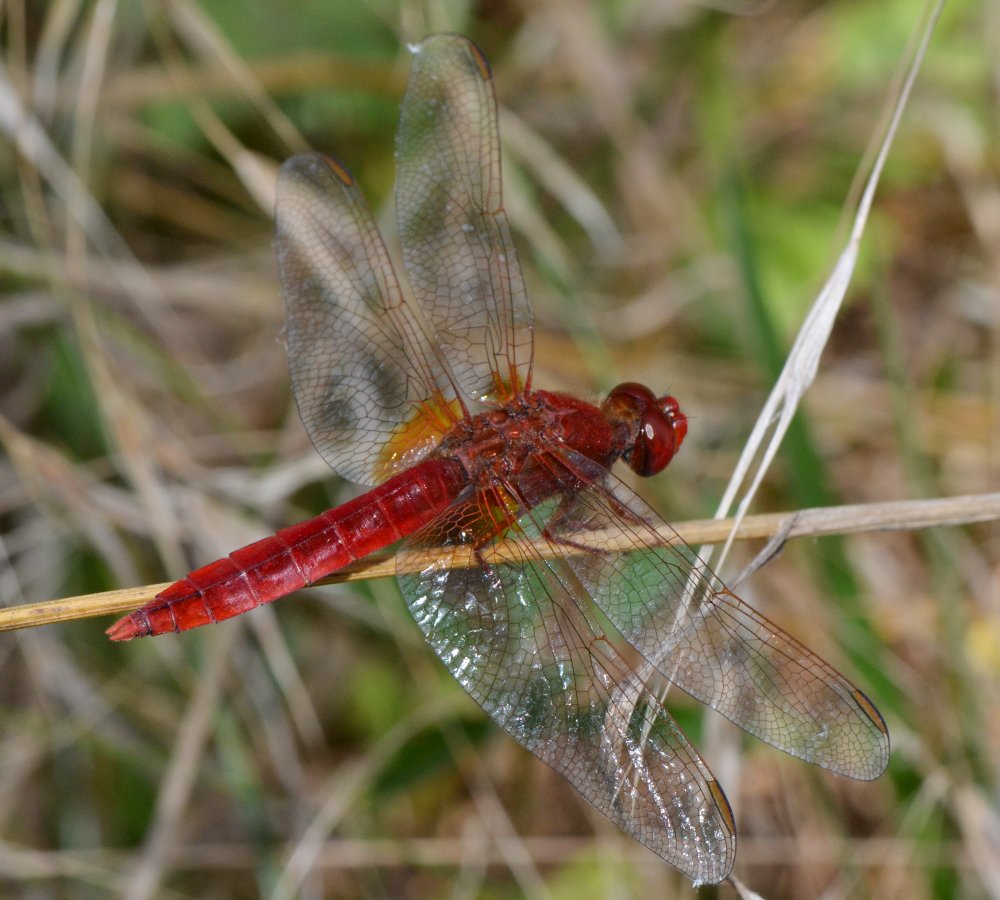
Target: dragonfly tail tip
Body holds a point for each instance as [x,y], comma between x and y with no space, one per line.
[125,629]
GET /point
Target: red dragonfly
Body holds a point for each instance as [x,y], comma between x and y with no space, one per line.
[427,396]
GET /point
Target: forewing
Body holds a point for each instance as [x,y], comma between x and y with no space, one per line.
[675,612]
[369,391]
[521,637]
[456,241]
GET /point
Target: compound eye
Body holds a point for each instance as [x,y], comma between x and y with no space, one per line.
[632,396]
[672,410]
[655,444]
[658,425]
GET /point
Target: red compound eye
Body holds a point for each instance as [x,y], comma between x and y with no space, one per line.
[672,410]
[661,425]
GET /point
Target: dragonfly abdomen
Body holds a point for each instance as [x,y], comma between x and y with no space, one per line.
[296,556]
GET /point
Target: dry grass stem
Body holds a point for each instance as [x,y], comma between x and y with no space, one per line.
[903,515]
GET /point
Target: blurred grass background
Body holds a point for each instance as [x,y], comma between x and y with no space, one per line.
[676,176]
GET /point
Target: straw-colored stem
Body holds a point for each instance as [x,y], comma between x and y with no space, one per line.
[902,515]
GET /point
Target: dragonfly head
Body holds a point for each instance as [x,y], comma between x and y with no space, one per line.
[655,426]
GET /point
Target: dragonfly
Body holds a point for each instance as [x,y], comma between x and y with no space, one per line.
[545,586]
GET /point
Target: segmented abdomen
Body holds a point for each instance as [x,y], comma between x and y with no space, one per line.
[298,555]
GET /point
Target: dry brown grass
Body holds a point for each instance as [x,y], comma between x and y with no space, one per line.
[674,176]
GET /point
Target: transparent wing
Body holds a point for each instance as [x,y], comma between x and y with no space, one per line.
[680,617]
[369,390]
[456,242]
[521,635]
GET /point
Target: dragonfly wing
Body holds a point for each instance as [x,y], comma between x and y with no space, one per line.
[456,241]
[681,618]
[520,636]
[369,389]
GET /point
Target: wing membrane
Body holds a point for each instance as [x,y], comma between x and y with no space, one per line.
[521,638]
[457,247]
[680,617]
[370,391]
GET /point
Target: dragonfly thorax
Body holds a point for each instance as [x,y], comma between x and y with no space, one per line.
[631,424]
[502,441]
